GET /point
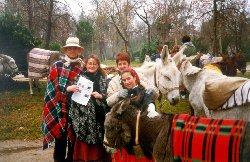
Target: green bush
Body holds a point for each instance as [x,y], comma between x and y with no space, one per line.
[52,46]
[145,51]
[16,40]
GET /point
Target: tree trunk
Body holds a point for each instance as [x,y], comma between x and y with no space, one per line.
[30,15]
[102,49]
[215,49]
[121,35]
[220,39]
[49,24]
[149,37]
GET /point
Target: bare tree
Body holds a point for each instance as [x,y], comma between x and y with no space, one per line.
[101,26]
[50,20]
[221,12]
[172,19]
[121,19]
[142,5]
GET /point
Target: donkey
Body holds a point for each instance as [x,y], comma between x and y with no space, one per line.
[147,59]
[7,65]
[164,75]
[39,64]
[166,136]
[227,64]
[230,64]
[194,79]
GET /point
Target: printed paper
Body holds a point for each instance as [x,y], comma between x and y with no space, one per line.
[85,89]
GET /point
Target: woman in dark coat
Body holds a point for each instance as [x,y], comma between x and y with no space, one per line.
[88,120]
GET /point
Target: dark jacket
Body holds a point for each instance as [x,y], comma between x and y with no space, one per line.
[88,121]
[140,98]
[190,50]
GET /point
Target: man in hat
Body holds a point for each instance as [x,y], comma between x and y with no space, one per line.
[56,125]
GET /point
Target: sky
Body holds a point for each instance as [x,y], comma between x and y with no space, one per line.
[77,6]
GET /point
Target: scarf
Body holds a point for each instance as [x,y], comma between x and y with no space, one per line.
[135,91]
[68,61]
[94,77]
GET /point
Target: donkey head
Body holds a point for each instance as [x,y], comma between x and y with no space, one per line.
[188,71]
[117,132]
[241,62]
[232,63]
[167,77]
[9,65]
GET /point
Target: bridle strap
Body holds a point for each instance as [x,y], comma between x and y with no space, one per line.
[12,68]
[7,62]
[157,81]
[171,89]
[156,85]
[137,128]
[180,63]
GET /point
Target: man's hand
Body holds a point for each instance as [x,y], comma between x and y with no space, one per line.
[72,88]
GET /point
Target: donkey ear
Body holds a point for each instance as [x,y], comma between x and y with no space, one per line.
[164,53]
[223,55]
[179,55]
[188,69]
[122,106]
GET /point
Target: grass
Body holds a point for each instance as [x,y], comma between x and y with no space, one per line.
[113,63]
[20,114]
[246,75]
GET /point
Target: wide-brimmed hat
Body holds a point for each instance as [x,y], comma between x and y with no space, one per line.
[72,42]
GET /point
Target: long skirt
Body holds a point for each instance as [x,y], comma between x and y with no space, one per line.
[84,152]
[125,157]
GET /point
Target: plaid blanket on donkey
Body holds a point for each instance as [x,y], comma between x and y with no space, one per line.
[55,113]
[205,139]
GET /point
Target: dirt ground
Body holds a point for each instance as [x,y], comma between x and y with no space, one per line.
[24,151]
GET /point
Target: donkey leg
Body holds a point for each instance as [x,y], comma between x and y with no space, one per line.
[191,110]
[31,86]
[38,86]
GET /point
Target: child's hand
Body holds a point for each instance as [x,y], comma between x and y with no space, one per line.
[72,88]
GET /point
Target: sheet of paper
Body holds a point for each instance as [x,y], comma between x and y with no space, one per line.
[85,89]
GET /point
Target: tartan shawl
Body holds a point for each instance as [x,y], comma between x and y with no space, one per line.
[55,112]
[206,139]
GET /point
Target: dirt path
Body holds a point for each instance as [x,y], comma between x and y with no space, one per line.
[24,151]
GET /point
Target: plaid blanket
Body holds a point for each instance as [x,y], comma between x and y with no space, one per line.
[206,139]
[55,113]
